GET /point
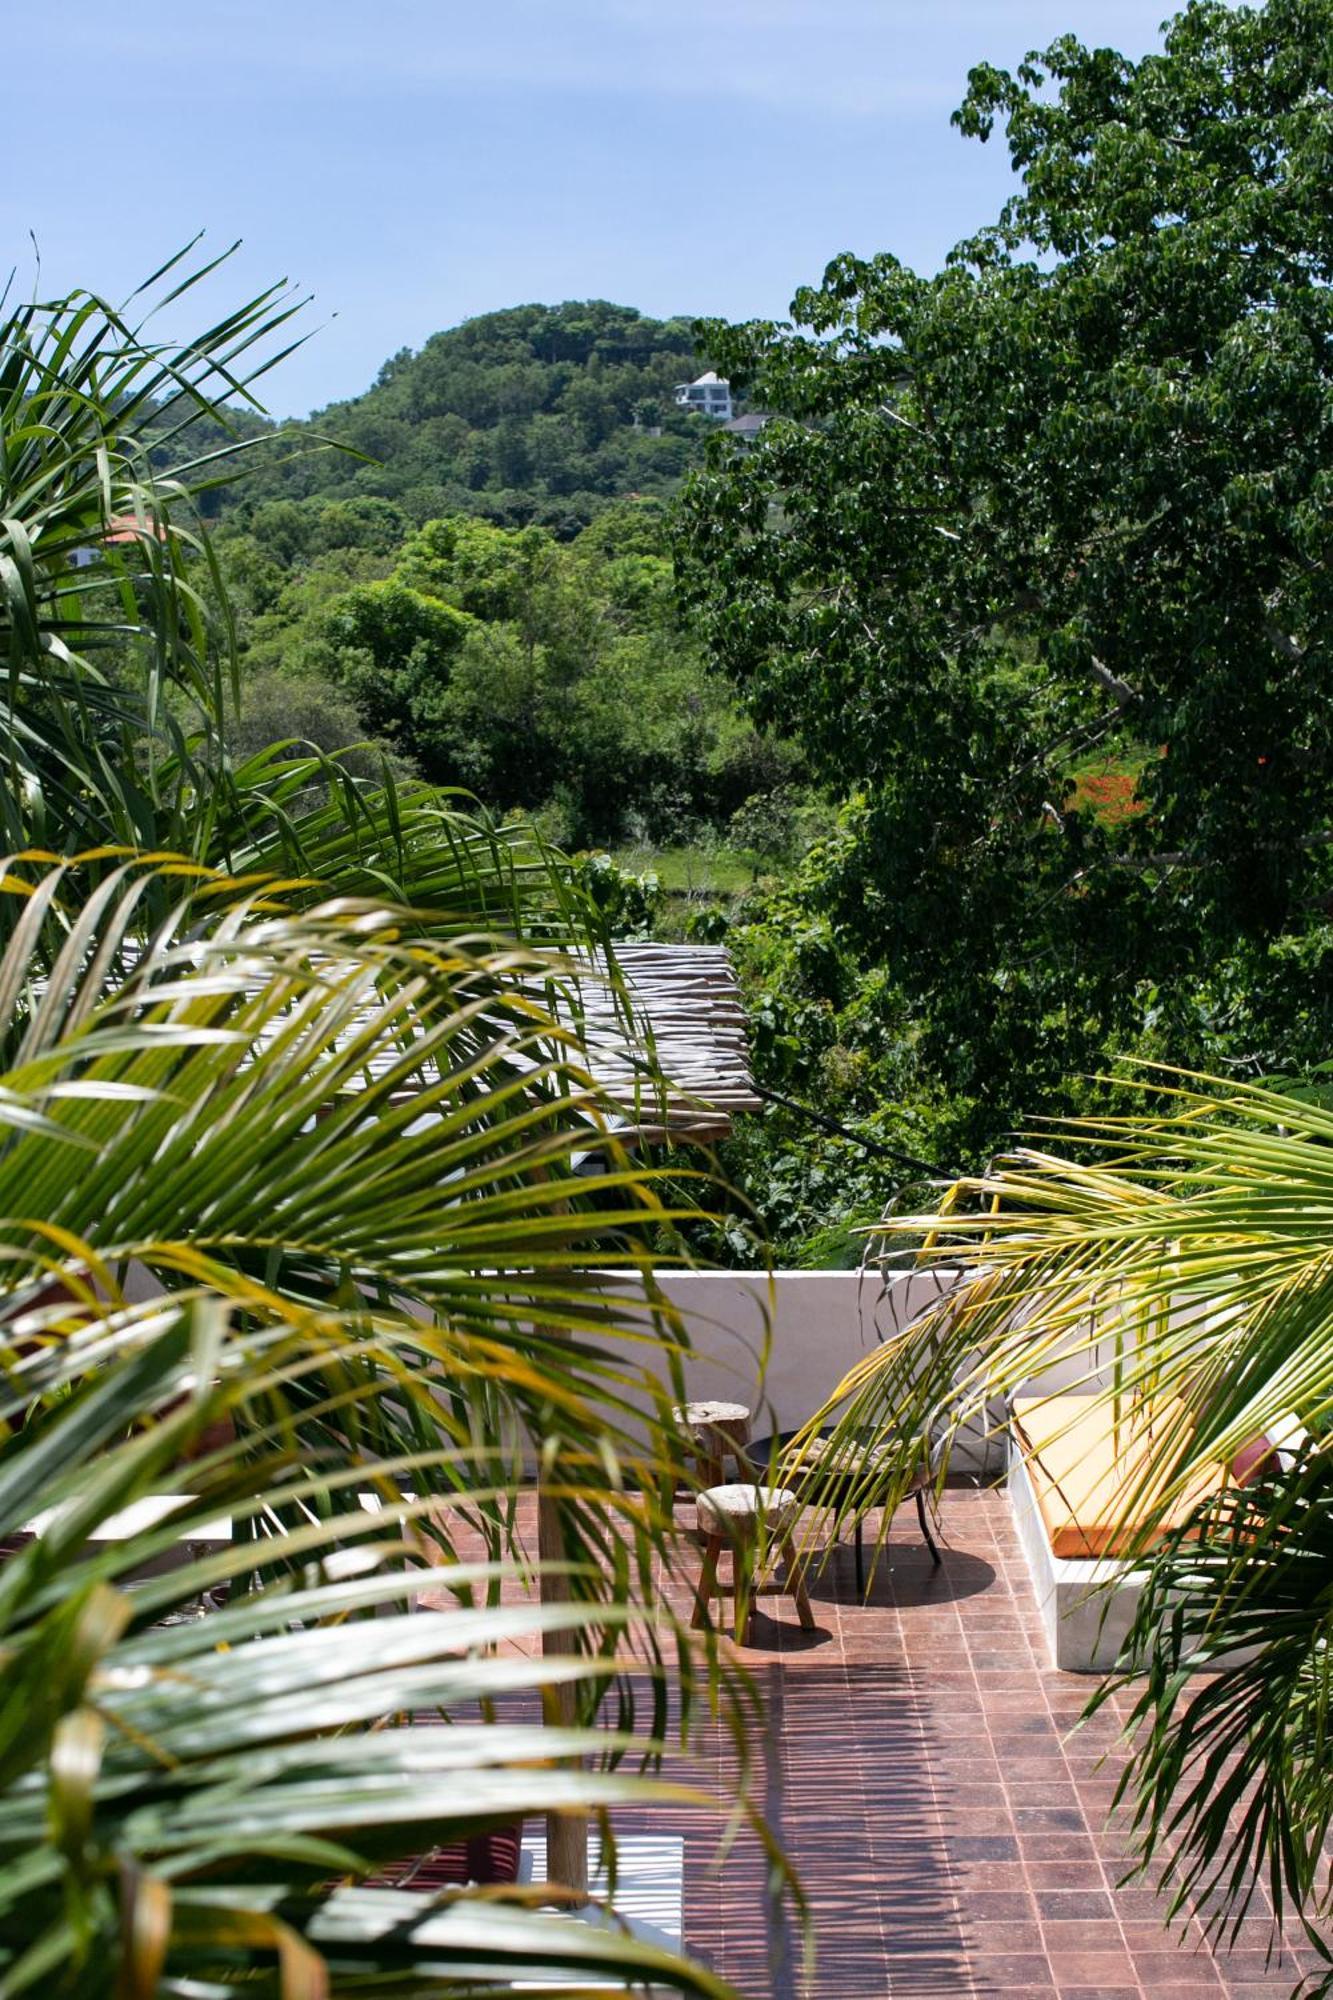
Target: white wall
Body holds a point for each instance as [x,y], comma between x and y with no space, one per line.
[819,1324]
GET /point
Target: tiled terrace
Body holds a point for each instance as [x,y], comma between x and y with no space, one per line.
[948,1820]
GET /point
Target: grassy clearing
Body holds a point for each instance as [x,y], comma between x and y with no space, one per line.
[698,870]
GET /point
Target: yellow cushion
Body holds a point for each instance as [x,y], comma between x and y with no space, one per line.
[1095,1469]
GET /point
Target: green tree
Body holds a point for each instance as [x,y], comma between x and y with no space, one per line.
[496,728]
[294,708]
[1071,493]
[393,649]
[489,572]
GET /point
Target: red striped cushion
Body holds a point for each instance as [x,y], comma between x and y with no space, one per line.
[486,1857]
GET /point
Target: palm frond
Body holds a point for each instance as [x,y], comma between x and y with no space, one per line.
[320,1176]
[1230,1785]
[325,1106]
[1178,1258]
[107,611]
[235,1772]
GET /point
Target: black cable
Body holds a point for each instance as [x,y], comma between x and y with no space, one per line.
[839,1131]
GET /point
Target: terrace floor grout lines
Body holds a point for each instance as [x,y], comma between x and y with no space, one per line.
[948,1819]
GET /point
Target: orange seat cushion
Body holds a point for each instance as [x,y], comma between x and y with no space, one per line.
[1095,1468]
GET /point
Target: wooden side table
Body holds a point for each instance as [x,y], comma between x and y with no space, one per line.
[718,1431]
[751,1521]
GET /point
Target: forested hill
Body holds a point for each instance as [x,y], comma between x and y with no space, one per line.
[538,413]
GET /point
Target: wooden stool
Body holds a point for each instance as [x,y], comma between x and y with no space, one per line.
[741,1518]
[718,1431]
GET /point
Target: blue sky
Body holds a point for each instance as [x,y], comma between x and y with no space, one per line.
[412,162]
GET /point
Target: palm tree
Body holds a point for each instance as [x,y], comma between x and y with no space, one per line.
[302,1180]
[339,1160]
[1191,1240]
[104,617]
[118,636]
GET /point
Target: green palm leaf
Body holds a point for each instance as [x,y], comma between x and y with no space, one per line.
[1230,1788]
[1179,1256]
[109,612]
[346,1161]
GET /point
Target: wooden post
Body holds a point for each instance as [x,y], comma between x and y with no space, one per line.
[566,1832]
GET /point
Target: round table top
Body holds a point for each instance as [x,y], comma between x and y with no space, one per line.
[734,1506]
[697,1416]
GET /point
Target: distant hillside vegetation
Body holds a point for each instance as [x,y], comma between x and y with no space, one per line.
[538,414]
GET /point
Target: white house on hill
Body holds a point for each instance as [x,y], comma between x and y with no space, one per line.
[709,396]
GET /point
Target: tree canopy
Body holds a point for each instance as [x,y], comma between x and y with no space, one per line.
[541,413]
[1068,499]
[502,659]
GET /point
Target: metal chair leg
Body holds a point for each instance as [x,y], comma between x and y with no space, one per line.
[925,1525]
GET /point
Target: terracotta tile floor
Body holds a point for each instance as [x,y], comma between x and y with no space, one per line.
[947,1819]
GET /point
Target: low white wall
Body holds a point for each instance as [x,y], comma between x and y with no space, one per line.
[819,1324]
[781,1343]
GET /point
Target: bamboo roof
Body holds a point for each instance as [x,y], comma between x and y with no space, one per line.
[690,1022]
[663,1033]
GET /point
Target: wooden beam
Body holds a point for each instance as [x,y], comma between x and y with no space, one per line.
[566,1832]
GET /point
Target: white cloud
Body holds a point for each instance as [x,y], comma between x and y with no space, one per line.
[853,58]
